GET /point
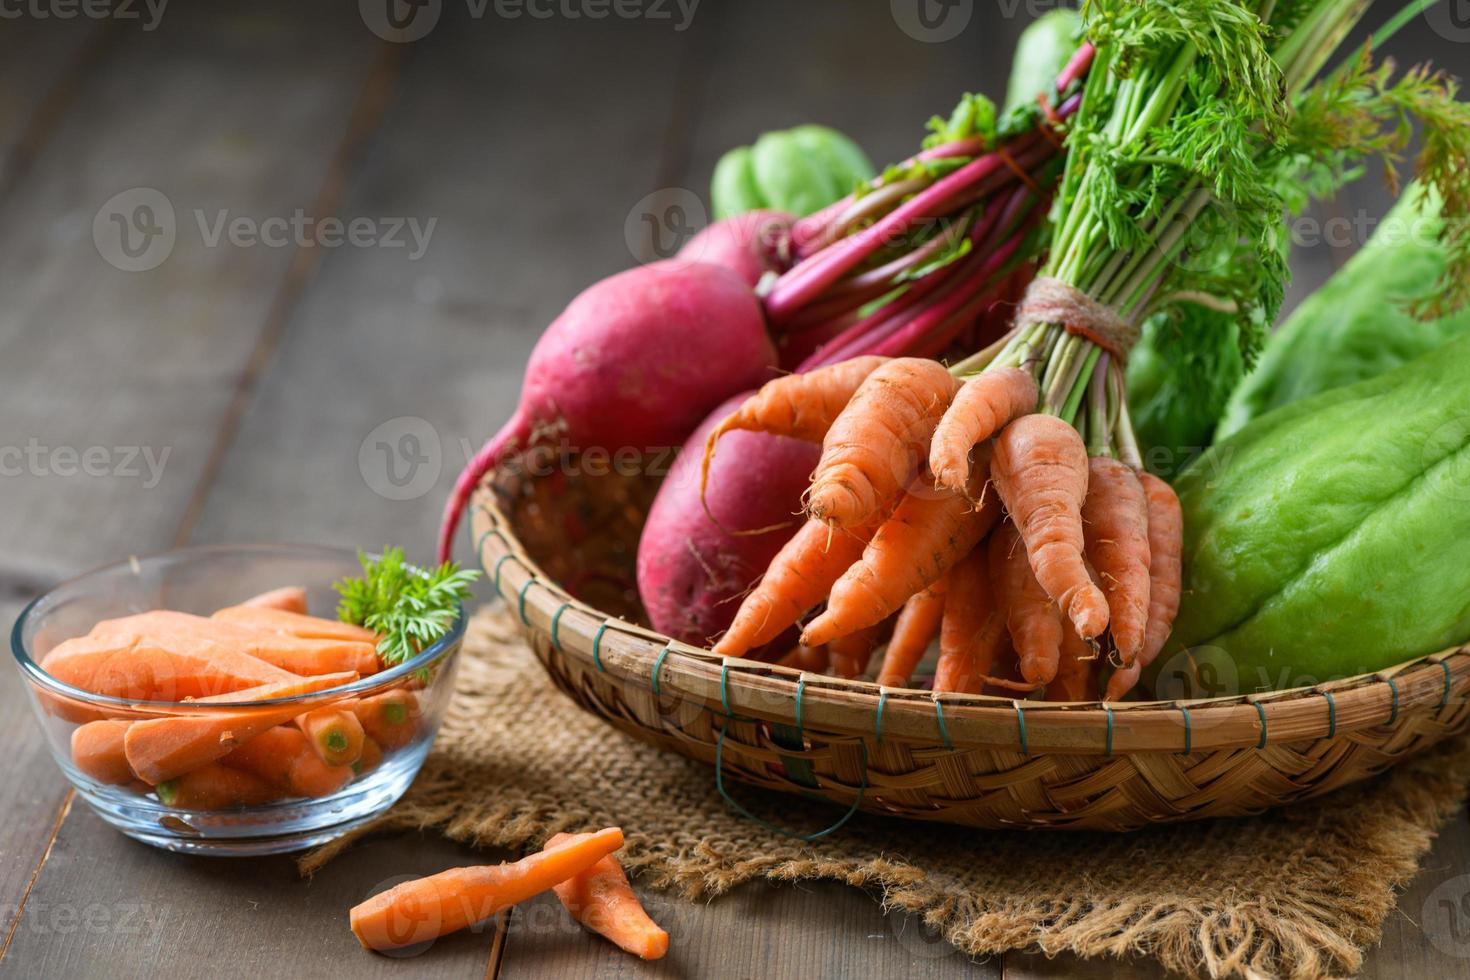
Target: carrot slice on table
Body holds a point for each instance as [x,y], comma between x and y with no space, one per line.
[427,908]
[215,787]
[292,598]
[97,750]
[187,632]
[282,755]
[391,719]
[296,624]
[139,667]
[160,749]
[602,900]
[335,734]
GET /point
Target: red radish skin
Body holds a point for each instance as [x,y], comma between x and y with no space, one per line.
[749,245]
[692,571]
[634,361]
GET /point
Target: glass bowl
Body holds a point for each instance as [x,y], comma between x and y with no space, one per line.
[399,708]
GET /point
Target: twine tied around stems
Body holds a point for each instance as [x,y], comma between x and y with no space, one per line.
[1051,301]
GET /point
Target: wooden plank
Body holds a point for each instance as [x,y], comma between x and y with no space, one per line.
[40,61]
[816,929]
[1428,935]
[107,906]
[385,346]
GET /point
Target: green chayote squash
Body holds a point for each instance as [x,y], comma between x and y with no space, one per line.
[1042,51]
[1358,324]
[796,171]
[1332,537]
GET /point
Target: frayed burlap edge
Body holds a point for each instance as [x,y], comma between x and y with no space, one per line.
[1295,893]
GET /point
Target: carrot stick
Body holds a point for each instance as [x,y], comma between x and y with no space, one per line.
[292,598]
[878,442]
[602,900]
[852,653]
[983,406]
[335,733]
[296,624]
[798,578]
[917,625]
[1040,469]
[138,667]
[1115,529]
[928,532]
[215,787]
[283,756]
[971,634]
[1166,544]
[186,632]
[391,719]
[161,748]
[425,909]
[1076,678]
[97,750]
[801,406]
[371,758]
[1034,622]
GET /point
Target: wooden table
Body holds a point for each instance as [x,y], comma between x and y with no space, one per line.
[268,374]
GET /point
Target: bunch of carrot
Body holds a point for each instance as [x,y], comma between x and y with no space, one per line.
[954,510]
[265,648]
[580,868]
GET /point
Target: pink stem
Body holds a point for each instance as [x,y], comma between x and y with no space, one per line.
[516,430]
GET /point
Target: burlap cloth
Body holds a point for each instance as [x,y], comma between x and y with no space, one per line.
[1299,892]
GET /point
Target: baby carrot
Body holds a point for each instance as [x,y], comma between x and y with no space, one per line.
[334,732]
[982,407]
[427,908]
[160,749]
[391,719]
[283,756]
[215,787]
[292,598]
[913,632]
[602,900]
[97,750]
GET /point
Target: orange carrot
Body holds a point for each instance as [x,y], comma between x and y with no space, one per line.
[972,630]
[186,632]
[802,406]
[371,758]
[879,441]
[334,732]
[215,787]
[798,578]
[812,660]
[292,598]
[1115,528]
[296,624]
[1166,544]
[1040,469]
[391,719]
[131,665]
[1034,622]
[161,748]
[917,625]
[602,900]
[425,909]
[97,750]
[283,756]
[928,532]
[1076,678]
[852,653]
[983,406]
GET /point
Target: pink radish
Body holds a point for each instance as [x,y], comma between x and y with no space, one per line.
[692,570]
[634,361]
[749,245]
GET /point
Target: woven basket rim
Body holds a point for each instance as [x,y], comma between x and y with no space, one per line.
[862,709]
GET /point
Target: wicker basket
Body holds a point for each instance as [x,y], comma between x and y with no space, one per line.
[981,761]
